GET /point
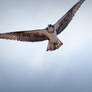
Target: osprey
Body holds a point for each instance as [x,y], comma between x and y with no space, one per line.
[50,33]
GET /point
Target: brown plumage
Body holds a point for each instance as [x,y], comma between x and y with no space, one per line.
[50,33]
[30,36]
[65,20]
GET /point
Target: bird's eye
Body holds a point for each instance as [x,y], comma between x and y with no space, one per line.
[49,25]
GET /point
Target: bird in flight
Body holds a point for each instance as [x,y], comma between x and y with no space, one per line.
[50,33]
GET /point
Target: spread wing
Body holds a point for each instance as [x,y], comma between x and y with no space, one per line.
[65,20]
[31,36]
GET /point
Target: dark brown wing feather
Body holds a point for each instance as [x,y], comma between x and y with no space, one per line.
[31,36]
[65,20]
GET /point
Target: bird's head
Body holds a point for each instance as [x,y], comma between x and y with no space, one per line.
[50,28]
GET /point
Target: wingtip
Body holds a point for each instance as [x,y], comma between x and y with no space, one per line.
[82,1]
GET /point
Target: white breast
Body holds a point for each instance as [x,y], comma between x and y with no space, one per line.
[55,30]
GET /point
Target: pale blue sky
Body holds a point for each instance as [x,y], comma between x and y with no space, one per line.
[27,67]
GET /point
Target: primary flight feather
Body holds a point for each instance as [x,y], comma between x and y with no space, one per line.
[50,33]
